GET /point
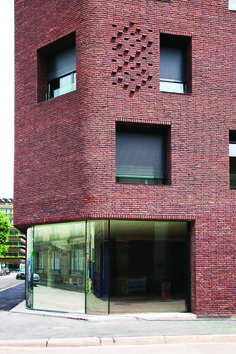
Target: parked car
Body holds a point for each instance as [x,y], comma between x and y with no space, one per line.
[36,278]
[4,271]
[21,275]
[7,271]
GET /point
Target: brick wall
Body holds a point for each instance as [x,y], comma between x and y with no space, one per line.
[65,147]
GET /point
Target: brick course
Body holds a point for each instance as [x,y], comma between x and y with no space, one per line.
[65,147]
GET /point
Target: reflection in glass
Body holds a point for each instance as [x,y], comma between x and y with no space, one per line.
[59,260]
[97,267]
[29,268]
[148,266]
[103,266]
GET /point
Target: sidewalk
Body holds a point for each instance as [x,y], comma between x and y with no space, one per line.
[50,329]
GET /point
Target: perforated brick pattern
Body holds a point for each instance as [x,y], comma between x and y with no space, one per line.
[132,65]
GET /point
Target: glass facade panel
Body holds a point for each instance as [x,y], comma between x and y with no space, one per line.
[59,260]
[97,267]
[102,267]
[148,266]
[29,270]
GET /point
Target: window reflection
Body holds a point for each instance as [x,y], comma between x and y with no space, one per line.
[60,263]
[148,266]
[97,267]
[102,266]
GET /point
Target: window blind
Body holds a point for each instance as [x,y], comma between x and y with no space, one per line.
[172,64]
[62,63]
[140,154]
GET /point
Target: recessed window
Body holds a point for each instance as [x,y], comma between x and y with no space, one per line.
[57,68]
[232,5]
[175,63]
[232,158]
[141,154]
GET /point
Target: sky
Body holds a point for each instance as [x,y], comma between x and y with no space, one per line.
[6,98]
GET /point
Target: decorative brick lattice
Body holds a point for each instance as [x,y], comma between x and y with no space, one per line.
[131,63]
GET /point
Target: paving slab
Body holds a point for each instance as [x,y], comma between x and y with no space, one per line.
[54,329]
[169,316]
[24,343]
[74,342]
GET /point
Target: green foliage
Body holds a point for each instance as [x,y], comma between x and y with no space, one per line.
[5,226]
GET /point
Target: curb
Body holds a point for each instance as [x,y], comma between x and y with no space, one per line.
[96,341]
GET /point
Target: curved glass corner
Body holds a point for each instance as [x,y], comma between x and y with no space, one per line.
[109,266]
[59,267]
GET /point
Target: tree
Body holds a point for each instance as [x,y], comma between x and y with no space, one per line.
[5,226]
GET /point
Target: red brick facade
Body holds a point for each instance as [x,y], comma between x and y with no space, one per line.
[65,147]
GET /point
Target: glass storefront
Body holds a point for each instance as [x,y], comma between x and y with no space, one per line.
[59,260]
[148,266]
[109,266]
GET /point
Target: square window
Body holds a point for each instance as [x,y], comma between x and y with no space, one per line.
[57,68]
[232,158]
[142,154]
[175,63]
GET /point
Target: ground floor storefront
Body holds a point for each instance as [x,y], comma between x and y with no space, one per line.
[110,266]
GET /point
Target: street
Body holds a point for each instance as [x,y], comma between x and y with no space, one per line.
[12,291]
[9,280]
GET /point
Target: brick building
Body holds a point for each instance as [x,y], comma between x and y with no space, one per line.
[125,156]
